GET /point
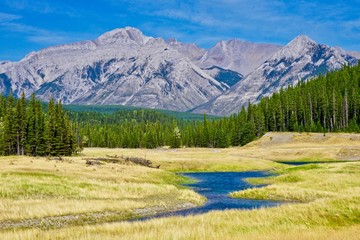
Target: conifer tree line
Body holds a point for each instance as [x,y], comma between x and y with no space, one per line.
[26,129]
[328,103]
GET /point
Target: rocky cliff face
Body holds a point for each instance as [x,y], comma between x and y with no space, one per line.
[120,67]
[236,55]
[299,60]
[125,67]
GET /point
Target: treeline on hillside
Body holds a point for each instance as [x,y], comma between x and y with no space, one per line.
[151,129]
[25,128]
[127,129]
[326,104]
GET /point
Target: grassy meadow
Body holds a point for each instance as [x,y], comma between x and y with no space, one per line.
[44,198]
[36,188]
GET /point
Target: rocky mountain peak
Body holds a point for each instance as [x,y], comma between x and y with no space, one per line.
[172,41]
[233,43]
[123,66]
[300,45]
[120,67]
[299,60]
[120,35]
[302,40]
[191,50]
[228,45]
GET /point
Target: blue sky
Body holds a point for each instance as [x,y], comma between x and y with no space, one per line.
[29,25]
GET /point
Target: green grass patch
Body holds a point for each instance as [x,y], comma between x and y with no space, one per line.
[172,178]
[260,180]
[289,178]
[38,185]
[308,183]
[24,185]
[299,168]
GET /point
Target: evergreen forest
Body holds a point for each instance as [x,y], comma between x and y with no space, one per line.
[26,129]
[329,103]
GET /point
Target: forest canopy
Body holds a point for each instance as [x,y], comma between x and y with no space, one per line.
[26,129]
[328,103]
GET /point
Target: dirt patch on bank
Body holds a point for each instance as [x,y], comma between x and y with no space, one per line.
[298,146]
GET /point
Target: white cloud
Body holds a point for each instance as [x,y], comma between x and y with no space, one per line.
[42,7]
[39,35]
[6,17]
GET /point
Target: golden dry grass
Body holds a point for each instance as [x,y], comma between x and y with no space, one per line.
[308,183]
[296,221]
[191,159]
[327,216]
[305,146]
[37,187]
[330,193]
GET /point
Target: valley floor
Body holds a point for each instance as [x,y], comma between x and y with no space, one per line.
[41,198]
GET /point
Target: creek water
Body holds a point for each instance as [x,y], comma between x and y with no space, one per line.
[216,186]
[294,163]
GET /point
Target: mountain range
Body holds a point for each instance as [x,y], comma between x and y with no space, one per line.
[125,67]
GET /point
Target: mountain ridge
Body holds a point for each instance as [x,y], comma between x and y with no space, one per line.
[125,67]
[237,55]
[299,60]
[120,67]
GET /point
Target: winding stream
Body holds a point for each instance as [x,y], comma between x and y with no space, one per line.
[216,186]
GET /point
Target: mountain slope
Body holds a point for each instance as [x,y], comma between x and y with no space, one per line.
[236,55]
[354,54]
[120,67]
[192,51]
[125,67]
[299,60]
[224,76]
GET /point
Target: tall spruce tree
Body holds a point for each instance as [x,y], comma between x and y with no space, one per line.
[20,125]
[10,133]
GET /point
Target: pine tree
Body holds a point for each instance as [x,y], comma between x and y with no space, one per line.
[247,133]
[10,127]
[20,125]
[41,132]
[32,136]
[176,138]
[205,138]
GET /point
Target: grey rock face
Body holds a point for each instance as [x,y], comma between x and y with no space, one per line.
[299,60]
[125,67]
[120,67]
[236,55]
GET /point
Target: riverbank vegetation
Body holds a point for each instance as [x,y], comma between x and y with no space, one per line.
[322,201]
[307,183]
[45,193]
[46,197]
